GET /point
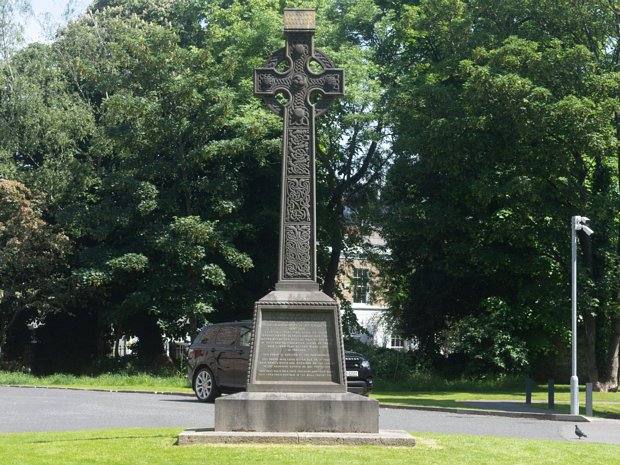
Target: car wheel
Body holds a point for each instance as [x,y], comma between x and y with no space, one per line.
[204,385]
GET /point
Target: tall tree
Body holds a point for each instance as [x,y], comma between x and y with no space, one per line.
[157,227]
[139,127]
[506,126]
[353,144]
[32,259]
[13,15]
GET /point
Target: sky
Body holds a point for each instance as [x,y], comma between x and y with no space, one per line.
[50,12]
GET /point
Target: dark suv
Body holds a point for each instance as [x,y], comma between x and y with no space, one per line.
[218,362]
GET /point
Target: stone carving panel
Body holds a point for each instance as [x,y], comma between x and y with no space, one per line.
[297,251]
[298,200]
[299,152]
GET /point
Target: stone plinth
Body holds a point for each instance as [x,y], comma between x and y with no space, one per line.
[297,412]
[296,380]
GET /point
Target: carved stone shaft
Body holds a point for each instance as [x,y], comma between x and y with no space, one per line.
[299,85]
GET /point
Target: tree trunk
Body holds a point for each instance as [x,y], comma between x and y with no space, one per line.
[118,335]
[100,336]
[329,282]
[193,326]
[2,342]
[4,331]
[611,380]
[590,347]
[331,273]
[613,355]
[588,319]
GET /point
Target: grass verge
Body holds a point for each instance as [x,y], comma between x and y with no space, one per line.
[605,403]
[157,447]
[138,382]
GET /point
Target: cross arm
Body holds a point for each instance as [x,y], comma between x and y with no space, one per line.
[330,82]
[268,81]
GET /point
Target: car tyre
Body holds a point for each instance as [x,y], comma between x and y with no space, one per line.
[204,385]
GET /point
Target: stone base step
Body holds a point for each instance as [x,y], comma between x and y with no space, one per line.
[394,438]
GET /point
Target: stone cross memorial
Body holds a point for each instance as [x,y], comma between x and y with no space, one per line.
[296,380]
[298,84]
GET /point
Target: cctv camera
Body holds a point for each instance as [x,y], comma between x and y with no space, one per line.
[586,230]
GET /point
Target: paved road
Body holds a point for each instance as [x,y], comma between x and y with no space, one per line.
[27,409]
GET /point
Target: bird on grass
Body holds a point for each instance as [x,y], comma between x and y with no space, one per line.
[580,434]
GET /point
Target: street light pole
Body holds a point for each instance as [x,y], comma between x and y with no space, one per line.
[577,223]
[574,380]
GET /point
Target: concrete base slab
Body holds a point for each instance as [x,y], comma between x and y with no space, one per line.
[395,438]
[292,412]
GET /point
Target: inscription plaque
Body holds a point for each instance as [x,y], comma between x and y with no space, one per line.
[297,346]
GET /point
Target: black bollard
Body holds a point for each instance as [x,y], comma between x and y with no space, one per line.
[529,385]
[551,394]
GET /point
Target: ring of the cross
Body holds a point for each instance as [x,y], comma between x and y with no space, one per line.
[299,81]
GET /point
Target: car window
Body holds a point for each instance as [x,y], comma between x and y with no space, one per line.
[227,335]
[209,335]
[245,337]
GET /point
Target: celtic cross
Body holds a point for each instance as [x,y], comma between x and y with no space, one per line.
[308,82]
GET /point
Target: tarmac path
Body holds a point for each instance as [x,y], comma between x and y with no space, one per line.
[41,409]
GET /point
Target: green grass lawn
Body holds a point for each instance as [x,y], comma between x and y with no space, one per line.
[139,382]
[604,402]
[157,447]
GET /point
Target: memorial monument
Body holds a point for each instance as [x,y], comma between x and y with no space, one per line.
[296,380]
[297,388]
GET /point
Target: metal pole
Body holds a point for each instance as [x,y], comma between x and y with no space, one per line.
[574,380]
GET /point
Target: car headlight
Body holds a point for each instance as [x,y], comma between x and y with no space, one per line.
[365,364]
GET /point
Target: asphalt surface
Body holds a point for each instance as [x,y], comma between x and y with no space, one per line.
[40,409]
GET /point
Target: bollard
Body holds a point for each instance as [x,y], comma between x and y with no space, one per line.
[550,394]
[529,385]
[589,406]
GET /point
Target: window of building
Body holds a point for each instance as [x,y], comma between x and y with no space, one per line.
[361,285]
[396,342]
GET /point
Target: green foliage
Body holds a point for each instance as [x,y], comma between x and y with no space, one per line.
[388,365]
[32,259]
[352,137]
[422,383]
[488,341]
[506,126]
[139,126]
[138,129]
